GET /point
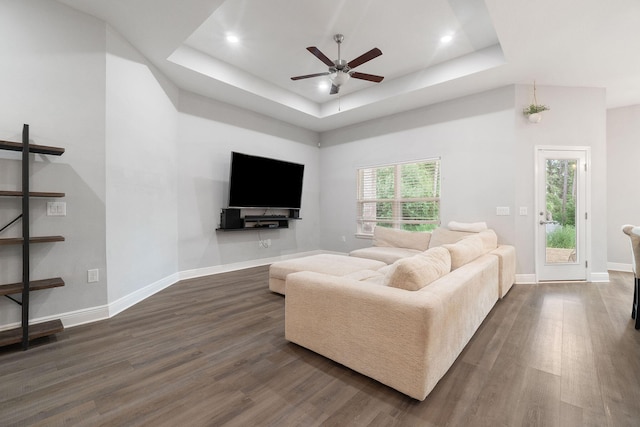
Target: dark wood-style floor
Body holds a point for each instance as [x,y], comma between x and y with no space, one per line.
[211,352]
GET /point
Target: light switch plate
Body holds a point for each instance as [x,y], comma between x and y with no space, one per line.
[523,210]
[503,210]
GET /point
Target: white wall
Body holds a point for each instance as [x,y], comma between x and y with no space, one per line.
[577,118]
[128,131]
[53,78]
[208,132]
[147,166]
[141,172]
[623,152]
[474,138]
[487,151]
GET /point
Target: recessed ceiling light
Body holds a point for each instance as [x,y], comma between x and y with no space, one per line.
[446,39]
[232,38]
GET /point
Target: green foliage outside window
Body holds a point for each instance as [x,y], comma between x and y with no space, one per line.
[561,191]
[401,196]
[561,202]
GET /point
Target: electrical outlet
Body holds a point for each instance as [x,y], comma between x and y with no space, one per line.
[56,209]
[523,210]
[93,276]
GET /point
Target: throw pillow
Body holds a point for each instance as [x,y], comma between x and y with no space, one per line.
[416,272]
[471,227]
[396,238]
[464,251]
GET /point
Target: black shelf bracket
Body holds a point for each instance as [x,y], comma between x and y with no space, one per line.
[10,224]
[13,299]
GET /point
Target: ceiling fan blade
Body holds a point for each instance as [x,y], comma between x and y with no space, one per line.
[364,76]
[326,73]
[334,89]
[373,53]
[321,56]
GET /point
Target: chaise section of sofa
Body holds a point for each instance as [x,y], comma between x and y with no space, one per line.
[404,339]
[335,265]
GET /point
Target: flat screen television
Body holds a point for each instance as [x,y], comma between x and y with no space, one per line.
[261,182]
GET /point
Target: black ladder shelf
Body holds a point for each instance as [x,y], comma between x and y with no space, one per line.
[27,332]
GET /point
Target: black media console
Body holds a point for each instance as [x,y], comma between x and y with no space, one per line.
[232,219]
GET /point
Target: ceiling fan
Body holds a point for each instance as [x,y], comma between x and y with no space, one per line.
[340,70]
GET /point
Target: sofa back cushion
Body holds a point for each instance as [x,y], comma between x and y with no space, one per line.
[416,272]
[442,236]
[489,240]
[465,250]
[396,238]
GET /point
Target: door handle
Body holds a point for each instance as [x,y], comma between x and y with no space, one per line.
[546,222]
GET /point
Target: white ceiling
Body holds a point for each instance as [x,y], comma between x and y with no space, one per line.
[583,43]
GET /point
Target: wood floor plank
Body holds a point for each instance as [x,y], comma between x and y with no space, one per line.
[211,351]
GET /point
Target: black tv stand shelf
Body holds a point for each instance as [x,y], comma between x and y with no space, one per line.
[233,220]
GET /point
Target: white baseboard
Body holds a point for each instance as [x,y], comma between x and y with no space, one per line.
[225,268]
[69,319]
[615,266]
[599,277]
[94,314]
[135,297]
[526,279]
[531,279]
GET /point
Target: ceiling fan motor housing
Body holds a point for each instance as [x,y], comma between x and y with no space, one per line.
[340,70]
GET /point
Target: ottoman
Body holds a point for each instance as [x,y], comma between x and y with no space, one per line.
[335,265]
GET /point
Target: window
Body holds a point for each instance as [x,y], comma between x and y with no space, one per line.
[405,196]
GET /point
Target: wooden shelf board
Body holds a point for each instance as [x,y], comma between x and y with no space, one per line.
[34,285]
[42,239]
[38,330]
[31,194]
[33,148]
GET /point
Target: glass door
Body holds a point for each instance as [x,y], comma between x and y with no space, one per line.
[561,215]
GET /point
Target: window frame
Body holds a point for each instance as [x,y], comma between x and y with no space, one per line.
[396,220]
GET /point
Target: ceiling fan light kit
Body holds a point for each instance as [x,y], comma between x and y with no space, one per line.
[340,71]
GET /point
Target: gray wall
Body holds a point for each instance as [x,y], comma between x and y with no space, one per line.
[53,78]
[145,172]
[487,151]
[208,133]
[141,165]
[623,152]
[146,168]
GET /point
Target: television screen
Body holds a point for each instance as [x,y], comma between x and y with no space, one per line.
[260,182]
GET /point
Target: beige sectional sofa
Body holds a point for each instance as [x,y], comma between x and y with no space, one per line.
[403,324]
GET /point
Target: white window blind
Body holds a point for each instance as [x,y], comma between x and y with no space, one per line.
[404,195]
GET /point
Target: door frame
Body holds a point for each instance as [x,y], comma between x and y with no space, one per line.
[538,149]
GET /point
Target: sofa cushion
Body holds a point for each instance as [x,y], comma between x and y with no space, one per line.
[464,251]
[489,240]
[385,254]
[471,227]
[396,238]
[361,275]
[441,236]
[418,271]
